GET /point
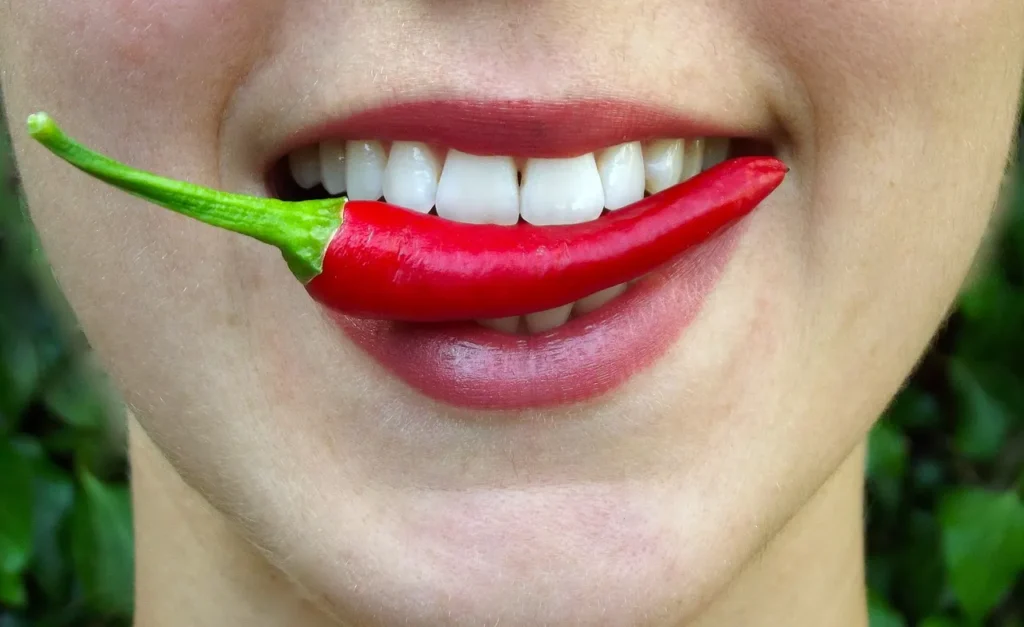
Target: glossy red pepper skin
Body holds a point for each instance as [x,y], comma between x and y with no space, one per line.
[389,263]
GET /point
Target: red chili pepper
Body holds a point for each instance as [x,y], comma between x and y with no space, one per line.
[376,260]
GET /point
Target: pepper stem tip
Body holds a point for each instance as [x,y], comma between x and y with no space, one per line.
[301,230]
[41,124]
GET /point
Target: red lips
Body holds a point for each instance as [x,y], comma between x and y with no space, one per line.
[519,128]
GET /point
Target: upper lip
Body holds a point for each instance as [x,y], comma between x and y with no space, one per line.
[518,128]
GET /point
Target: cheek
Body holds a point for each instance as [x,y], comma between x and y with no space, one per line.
[161,52]
[903,111]
[883,30]
[133,35]
[890,53]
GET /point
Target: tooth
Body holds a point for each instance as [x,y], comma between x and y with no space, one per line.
[693,158]
[364,169]
[622,174]
[332,166]
[478,190]
[505,325]
[716,150]
[561,191]
[410,178]
[305,166]
[599,299]
[663,163]
[546,320]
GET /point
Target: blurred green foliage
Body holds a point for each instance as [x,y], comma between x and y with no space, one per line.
[65,520]
[945,519]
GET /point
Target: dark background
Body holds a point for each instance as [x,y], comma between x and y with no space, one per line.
[945,519]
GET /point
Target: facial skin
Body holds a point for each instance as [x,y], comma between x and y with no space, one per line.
[684,497]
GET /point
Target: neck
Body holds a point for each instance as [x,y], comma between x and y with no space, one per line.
[193,568]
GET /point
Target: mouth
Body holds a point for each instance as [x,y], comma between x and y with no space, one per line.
[512,163]
[506,163]
[570,272]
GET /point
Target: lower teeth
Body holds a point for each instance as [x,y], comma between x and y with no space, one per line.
[598,300]
[544,321]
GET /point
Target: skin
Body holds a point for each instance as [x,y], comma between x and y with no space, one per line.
[282,478]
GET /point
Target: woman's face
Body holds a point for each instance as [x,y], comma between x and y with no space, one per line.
[454,483]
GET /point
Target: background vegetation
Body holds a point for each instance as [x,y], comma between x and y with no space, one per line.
[945,521]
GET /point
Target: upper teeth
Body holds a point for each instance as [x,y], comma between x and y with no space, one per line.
[481,190]
[622,174]
[364,169]
[561,191]
[490,190]
[411,175]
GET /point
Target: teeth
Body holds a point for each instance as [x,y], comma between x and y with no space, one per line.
[561,191]
[693,158]
[598,300]
[622,174]
[716,150]
[547,320]
[663,164]
[332,166]
[505,325]
[487,189]
[478,190]
[410,178]
[364,169]
[544,321]
[304,164]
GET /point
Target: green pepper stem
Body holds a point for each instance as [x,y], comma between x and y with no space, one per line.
[301,230]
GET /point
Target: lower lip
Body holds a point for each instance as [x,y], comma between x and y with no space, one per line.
[466,365]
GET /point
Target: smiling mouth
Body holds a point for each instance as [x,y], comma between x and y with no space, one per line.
[546,213]
[410,162]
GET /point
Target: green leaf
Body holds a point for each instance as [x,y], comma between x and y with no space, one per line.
[984,298]
[984,422]
[887,451]
[12,590]
[921,572]
[15,509]
[929,475]
[1003,381]
[11,620]
[30,450]
[54,495]
[983,546]
[880,572]
[886,465]
[19,369]
[101,546]
[884,496]
[72,396]
[915,409]
[938,621]
[881,615]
